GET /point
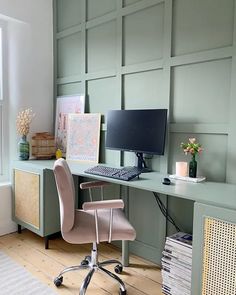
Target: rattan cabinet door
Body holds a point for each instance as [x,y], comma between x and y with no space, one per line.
[219,257]
[27,196]
[214,248]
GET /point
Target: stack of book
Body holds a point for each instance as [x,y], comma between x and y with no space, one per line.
[177,265]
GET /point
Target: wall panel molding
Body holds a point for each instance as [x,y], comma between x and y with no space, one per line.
[158,54]
[69,31]
[166,63]
[203,56]
[142,67]
[199,128]
[140,6]
[231,148]
[70,79]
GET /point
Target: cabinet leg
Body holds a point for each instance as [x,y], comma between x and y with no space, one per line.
[19,229]
[46,242]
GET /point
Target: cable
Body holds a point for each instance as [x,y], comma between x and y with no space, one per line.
[164,211]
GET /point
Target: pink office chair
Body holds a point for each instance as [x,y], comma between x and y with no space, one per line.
[98,222]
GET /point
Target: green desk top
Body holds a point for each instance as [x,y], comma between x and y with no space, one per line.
[212,193]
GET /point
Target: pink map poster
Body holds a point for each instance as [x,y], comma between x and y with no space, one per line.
[66,105]
[83,137]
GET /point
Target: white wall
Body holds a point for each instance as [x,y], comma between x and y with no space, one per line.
[30,73]
[6,224]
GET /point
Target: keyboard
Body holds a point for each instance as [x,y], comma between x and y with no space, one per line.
[125,173]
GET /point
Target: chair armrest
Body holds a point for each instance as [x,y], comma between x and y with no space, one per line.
[92,184]
[108,204]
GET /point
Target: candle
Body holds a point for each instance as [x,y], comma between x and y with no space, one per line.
[181,168]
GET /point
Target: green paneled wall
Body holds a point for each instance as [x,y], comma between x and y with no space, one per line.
[99,8]
[69,55]
[144,90]
[101,47]
[102,95]
[202,25]
[175,54]
[143,35]
[68,13]
[201,86]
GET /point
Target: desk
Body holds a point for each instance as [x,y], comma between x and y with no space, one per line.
[214,202]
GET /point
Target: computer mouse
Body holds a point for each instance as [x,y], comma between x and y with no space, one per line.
[166,181]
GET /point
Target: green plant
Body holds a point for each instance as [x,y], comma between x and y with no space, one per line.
[191,147]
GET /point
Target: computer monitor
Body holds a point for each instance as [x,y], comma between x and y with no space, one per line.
[139,131]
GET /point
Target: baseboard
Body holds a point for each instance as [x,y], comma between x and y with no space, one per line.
[145,251]
[6,224]
[7,228]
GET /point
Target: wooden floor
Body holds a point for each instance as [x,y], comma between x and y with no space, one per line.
[141,277]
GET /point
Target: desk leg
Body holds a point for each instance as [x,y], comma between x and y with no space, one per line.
[125,244]
[125,253]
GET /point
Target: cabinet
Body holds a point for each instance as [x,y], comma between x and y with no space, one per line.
[214,248]
[35,199]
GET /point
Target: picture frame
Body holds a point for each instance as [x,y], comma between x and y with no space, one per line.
[66,105]
[83,137]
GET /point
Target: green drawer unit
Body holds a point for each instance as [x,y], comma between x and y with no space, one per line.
[35,199]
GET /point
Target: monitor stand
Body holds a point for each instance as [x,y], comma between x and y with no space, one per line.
[141,163]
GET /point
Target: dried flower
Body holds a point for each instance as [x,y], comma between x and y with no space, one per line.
[23,121]
[192,147]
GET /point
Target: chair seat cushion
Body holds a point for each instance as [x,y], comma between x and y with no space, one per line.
[84,230]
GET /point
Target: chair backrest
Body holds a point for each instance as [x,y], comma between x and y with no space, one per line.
[66,193]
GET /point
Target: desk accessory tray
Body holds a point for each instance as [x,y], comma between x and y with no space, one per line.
[189,179]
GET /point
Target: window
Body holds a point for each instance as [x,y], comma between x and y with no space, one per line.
[3,107]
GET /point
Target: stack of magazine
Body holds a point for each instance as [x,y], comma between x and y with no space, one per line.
[177,265]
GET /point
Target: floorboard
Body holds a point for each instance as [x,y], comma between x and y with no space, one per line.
[141,277]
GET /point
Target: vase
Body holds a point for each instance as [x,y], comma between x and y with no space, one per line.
[23,147]
[193,167]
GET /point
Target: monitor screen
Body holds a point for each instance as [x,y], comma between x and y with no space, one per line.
[140,131]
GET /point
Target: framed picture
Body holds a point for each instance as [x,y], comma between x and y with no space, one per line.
[83,137]
[66,105]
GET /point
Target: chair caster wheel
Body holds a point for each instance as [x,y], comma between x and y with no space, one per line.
[88,257]
[86,260]
[118,269]
[122,292]
[58,281]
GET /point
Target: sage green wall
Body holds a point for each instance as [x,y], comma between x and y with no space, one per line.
[175,54]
